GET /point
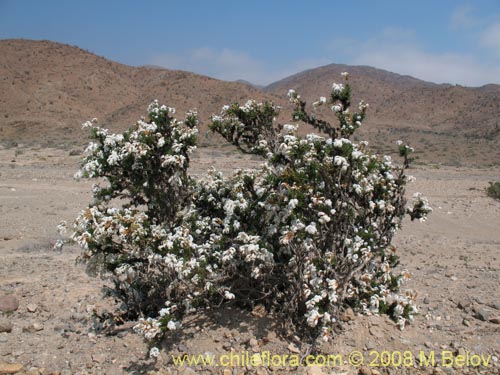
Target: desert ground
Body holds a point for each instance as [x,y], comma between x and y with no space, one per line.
[454,259]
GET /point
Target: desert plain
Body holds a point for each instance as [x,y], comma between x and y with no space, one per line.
[453,258]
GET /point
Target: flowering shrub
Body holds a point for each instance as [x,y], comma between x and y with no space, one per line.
[306,235]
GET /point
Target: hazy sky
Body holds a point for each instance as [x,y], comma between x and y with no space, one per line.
[265,40]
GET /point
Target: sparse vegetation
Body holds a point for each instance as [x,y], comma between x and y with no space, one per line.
[493,190]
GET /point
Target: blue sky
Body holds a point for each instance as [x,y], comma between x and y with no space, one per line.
[266,40]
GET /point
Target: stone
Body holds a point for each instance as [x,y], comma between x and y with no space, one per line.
[99,358]
[482,314]
[466,322]
[365,370]
[8,303]
[227,372]
[370,345]
[347,315]
[5,326]
[293,348]
[464,304]
[10,368]
[38,327]
[253,342]
[495,320]
[427,300]
[314,370]
[32,307]
[188,371]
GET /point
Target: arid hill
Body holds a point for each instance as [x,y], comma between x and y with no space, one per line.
[48,89]
[446,123]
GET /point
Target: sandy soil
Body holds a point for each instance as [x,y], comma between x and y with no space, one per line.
[454,259]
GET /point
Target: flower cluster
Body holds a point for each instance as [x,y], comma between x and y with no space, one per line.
[306,235]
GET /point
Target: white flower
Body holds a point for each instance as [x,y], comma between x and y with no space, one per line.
[337,88]
[323,218]
[313,317]
[154,352]
[293,203]
[290,129]
[336,108]
[171,325]
[311,228]
[228,295]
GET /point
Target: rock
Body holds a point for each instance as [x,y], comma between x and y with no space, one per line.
[314,370]
[253,342]
[495,305]
[293,348]
[99,358]
[427,300]
[495,320]
[188,371]
[10,368]
[438,371]
[347,315]
[35,327]
[428,344]
[8,303]
[464,304]
[31,307]
[482,314]
[466,322]
[3,338]
[365,370]
[227,372]
[261,371]
[370,345]
[5,326]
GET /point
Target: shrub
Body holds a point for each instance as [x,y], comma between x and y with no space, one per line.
[306,235]
[493,190]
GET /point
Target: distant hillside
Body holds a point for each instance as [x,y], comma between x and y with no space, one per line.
[398,101]
[48,89]
[448,124]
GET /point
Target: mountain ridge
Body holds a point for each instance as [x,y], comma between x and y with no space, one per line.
[48,89]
